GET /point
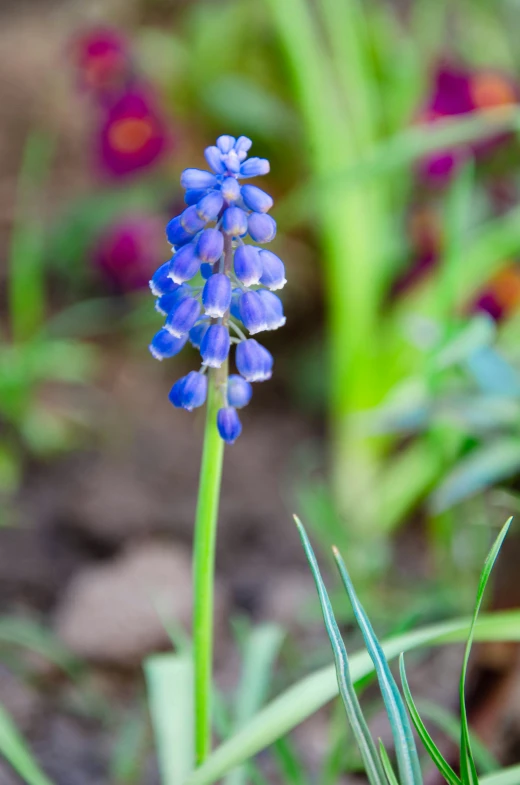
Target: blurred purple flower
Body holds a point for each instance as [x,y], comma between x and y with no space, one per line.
[458,91]
[133,133]
[126,253]
[103,60]
[501,297]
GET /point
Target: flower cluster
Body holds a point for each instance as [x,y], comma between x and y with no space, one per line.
[235,281]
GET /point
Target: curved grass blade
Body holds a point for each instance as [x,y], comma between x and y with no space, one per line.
[428,743]
[405,749]
[15,751]
[314,691]
[373,767]
[387,765]
[468,769]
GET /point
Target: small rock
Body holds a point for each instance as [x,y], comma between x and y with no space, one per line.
[114,612]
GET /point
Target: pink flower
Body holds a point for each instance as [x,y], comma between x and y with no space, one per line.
[133,133]
[103,59]
[501,297]
[128,251]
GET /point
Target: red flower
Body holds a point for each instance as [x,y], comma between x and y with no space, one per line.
[103,60]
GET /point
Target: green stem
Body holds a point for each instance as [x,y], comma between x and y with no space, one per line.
[204,566]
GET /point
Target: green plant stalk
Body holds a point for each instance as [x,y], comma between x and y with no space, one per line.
[204,564]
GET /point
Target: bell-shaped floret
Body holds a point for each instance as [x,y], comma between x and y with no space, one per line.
[210,245]
[261,227]
[210,206]
[248,265]
[164,344]
[176,234]
[183,316]
[273,309]
[228,424]
[190,391]
[239,392]
[214,158]
[253,361]
[161,283]
[234,222]
[166,302]
[198,332]
[184,264]
[216,295]
[191,221]
[273,270]
[256,199]
[230,189]
[252,313]
[254,167]
[214,347]
[197,178]
[194,195]
[225,143]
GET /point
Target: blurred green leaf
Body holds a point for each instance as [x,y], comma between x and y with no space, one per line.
[16,752]
[387,765]
[169,679]
[483,467]
[28,634]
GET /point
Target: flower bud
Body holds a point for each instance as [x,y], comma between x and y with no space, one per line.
[191,221]
[243,144]
[248,266]
[273,270]
[235,298]
[166,302]
[234,222]
[214,347]
[252,313]
[164,344]
[273,309]
[216,295]
[161,283]
[254,167]
[190,391]
[253,361]
[194,195]
[256,199]
[225,143]
[261,227]
[206,270]
[183,316]
[239,392]
[197,178]
[184,264]
[210,206]
[214,158]
[228,424]
[176,234]
[210,245]
[230,189]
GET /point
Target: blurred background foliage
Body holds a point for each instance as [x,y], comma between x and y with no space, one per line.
[392,130]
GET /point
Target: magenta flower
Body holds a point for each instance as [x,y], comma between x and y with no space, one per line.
[127,252]
[104,63]
[501,297]
[133,134]
[458,91]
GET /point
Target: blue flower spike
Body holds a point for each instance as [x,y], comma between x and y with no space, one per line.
[215,238]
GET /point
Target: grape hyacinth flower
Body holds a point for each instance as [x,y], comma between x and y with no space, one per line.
[209,239]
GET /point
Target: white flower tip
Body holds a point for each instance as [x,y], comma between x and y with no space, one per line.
[277,285]
[155,353]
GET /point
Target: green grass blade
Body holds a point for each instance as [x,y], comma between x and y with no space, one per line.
[291,766]
[373,767]
[30,635]
[468,770]
[387,765]
[18,755]
[406,751]
[304,698]
[260,652]
[428,743]
[169,680]
[509,776]
[450,726]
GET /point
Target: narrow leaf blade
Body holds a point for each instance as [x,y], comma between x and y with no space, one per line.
[16,752]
